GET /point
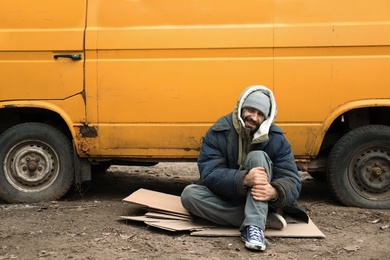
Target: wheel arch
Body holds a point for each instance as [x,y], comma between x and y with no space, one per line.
[349,116]
[13,113]
[343,119]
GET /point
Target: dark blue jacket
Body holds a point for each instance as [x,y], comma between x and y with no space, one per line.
[220,171]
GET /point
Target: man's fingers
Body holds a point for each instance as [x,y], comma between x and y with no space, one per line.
[261,180]
[262,192]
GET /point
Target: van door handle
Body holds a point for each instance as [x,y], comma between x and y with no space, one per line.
[69,56]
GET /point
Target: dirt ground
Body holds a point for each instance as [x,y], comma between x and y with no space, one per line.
[87,226]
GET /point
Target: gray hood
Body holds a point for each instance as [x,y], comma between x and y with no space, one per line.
[261,134]
[245,141]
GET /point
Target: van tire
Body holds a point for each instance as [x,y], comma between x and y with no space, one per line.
[359,167]
[36,163]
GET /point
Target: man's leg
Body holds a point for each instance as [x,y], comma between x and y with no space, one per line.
[253,226]
[202,202]
[256,211]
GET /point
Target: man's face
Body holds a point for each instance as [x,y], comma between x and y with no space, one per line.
[252,118]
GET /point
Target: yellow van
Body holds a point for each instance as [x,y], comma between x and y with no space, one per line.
[100,82]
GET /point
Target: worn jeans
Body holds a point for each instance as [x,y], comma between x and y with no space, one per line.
[202,202]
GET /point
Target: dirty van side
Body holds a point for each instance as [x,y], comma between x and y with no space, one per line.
[99,82]
[41,96]
[333,93]
[139,82]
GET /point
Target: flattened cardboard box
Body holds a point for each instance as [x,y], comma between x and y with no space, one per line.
[166,212]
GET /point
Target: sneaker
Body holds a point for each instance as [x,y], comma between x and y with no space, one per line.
[254,238]
[275,221]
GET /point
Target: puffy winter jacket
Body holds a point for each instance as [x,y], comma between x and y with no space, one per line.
[219,162]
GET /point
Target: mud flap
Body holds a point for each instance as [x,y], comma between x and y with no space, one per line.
[82,169]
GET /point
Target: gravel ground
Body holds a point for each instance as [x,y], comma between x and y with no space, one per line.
[87,226]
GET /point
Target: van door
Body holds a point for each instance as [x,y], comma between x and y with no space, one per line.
[167,70]
[41,49]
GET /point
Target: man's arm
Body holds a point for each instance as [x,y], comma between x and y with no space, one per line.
[261,189]
[216,173]
[285,178]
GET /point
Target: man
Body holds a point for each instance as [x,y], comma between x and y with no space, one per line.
[246,168]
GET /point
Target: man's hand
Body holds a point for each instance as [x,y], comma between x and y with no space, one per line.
[257,180]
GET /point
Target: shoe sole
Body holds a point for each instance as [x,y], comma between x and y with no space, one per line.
[252,246]
[276,221]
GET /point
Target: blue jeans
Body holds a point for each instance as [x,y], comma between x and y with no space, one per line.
[202,202]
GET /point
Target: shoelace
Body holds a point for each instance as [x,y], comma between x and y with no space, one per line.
[254,233]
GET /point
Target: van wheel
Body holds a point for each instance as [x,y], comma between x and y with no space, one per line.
[36,163]
[359,167]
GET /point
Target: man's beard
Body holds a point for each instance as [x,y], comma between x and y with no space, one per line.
[253,124]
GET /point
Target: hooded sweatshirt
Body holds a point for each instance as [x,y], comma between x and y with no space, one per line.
[226,144]
[246,140]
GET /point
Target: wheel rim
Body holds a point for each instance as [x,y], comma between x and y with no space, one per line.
[31,166]
[370,173]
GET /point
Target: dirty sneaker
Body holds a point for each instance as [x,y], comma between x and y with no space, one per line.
[253,237]
[275,221]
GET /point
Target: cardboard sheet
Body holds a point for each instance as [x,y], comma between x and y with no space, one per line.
[297,230]
[173,225]
[167,216]
[157,200]
[166,212]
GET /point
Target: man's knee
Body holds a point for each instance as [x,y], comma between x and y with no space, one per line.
[258,159]
[257,156]
[187,195]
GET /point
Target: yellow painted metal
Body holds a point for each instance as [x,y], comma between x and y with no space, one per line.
[166,70]
[31,33]
[328,57]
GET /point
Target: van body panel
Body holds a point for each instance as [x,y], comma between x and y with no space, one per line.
[60,25]
[327,55]
[40,76]
[169,70]
[159,76]
[31,34]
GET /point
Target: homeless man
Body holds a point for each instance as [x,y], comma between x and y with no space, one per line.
[247,170]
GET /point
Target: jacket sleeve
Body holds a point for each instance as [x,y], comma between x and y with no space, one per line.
[217,170]
[285,176]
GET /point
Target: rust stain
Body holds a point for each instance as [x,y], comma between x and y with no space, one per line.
[86,139]
[88,131]
[194,143]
